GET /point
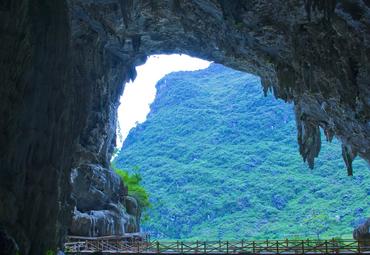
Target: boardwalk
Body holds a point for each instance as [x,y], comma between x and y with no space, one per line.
[116,245]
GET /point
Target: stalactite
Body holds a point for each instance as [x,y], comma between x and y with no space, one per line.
[329,134]
[348,156]
[309,138]
[327,7]
[136,42]
[126,6]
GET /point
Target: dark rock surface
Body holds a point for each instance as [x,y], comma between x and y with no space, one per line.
[64,63]
[7,243]
[362,233]
[97,191]
[100,203]
[39,123]
[95,187]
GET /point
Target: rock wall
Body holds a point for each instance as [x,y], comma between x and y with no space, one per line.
[103,206]
[100,74]
[38,125]
[64,63]
[362,234]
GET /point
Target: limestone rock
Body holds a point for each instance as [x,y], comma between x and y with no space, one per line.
[100,196]
[99,223]
[134,210]
[362,233]
[94,186]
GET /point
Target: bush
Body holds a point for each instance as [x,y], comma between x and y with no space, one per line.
[132,181]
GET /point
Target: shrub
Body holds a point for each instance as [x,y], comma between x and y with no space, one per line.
[132,181]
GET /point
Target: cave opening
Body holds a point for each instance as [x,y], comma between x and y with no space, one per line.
[64,63]
[220,160]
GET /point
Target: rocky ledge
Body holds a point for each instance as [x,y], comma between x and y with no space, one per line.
[103,206]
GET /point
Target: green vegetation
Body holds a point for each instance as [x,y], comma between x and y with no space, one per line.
[317,222]
[133,183]
[50,252]
[220,161]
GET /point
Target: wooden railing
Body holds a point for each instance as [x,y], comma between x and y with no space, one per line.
[219,247]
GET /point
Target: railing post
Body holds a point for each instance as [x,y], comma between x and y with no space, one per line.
[302,247]
[227,247]
[326,246]
[277,247]
[242,249]
[182,248]
[205,247]
[254,247]
[197,250]
[358,247]
[157,243]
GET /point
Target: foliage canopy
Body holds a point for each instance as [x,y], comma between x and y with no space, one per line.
[133,183]
[221,161]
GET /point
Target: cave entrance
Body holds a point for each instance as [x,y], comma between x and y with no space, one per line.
[220,161]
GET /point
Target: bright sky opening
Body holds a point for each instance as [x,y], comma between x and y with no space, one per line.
[138,95]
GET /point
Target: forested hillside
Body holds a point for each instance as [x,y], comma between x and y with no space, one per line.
[220,161]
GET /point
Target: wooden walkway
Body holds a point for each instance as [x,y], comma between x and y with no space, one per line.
[117,245]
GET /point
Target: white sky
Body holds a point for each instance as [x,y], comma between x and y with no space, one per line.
[138,95]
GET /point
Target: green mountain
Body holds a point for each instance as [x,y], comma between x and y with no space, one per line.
[220,161]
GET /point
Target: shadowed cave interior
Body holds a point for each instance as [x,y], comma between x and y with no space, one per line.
[63,64]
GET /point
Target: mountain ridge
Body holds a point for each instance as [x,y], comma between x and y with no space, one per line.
[213,139]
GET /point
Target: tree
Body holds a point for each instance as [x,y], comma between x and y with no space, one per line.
[317,222]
